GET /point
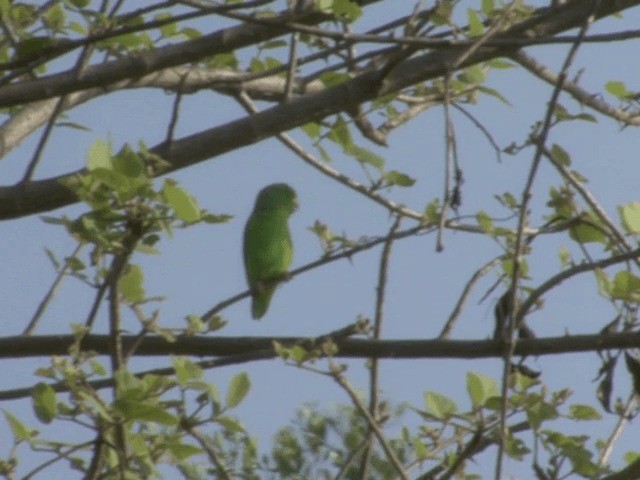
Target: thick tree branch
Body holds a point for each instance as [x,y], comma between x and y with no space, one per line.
[43,195]
[46,345]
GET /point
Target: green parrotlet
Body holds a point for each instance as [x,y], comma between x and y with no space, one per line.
[268,250]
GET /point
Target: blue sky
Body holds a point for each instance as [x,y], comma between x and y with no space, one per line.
[201,266]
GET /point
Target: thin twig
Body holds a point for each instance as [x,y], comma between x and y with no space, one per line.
[222,470]
[617,431]
[323,168]
[509,338]
[579,94]
[450,140]
[479,273]
[482,128]
[383,273]
[336,373]
[42,306]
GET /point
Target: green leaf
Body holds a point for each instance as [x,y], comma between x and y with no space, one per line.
[487,6]
[312,129]
[481,388]
[44,402]
[183,204]
[131,284]
[170,29]
[560,155]
[507,267]
[474,74]
[74,263]
[603,281]
[128,163]
[324,154]
[565,256]
[630,216]
[617,89]
[20,431]
[475,24]
[365,156]
[340,133]
[499,63]
[329,79]
[485,222]
[540,412]
[99,156]
[54,18]
[583,412]
[346,9]
[237,390]
[186,370]
[146,411]
[439,405]
[180,451]
[273,44]
[230,424]
[493,93]
[420,449]
[626,286]
[395,177]
[587,231]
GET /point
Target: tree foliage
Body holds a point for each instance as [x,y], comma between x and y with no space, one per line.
[344,78]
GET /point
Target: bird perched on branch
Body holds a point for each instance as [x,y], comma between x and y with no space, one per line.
[268,250]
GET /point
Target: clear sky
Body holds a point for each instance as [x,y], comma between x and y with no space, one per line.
[201,266]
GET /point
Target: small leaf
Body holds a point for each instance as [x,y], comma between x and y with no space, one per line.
[183,204]
[145,411]
[484,220]
[630,215]
[169,29]
[583,412]
[131,284]
[475,25]
[128,163]
[626,286]
[439,405]
[500,63]
[273,44]
[230,424]
[340,133]
[20,431]
[493,93]
[560,155]
[395,177]
[313,129]
[99,156]
[474,75]
[44,402]
[180,451]
[237,390]
[603,281]
[487,6]
[587,233]
[186,370]
[330,79]
[617,89]
[365,156]
[481,388]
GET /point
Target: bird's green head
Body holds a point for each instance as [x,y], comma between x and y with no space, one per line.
[277,196]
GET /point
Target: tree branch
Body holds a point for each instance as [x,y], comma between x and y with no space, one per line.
[43,195]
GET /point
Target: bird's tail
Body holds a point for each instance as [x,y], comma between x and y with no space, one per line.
[261,301]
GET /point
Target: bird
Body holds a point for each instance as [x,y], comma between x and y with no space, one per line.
[267,246]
